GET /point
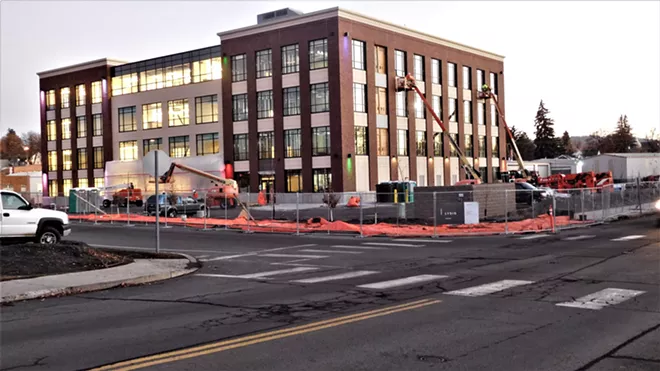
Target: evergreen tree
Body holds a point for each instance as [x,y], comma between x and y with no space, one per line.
[622,139]
[566,144]
[547,145]
[524,144]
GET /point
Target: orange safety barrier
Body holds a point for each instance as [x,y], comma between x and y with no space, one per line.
[354,201]
[542,223]
[261,199]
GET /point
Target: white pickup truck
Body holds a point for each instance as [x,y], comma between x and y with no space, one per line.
[20,221]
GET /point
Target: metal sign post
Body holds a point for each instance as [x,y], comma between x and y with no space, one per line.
[156,162]
[157,204]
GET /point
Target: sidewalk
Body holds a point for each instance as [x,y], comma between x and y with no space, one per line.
[138,272]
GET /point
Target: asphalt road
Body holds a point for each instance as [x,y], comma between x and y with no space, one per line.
[587,299]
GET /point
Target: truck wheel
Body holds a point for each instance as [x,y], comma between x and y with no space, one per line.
[171,213]
[106,203]
[138,203]
[49,236]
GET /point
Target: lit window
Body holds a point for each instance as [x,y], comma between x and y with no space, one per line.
[125,84]
[97,92]
[81,126]
[208,144]
[494,119]
[293,181]
[320,97]
[264,104]
[83,183]
[66,128]
[400,63]
[66,159]
[152,116]
[321,141]
[420,109]
[206,69]
[179,146]
[67,184]
[264,63]
[239,107]
[401,104]
[495,147]
[127,119]
[97,125]
[467,78]
[361,141]
[453,110]
[82,158]
[152,144]
[359,56]
[291,101]
[178,112]
[80,95]
[481,75]
[359,97]
[381,59]
[438,139]
[420,142]
[128,150]
[292,143]
[452,150]
[402,142]
[51,130]
[99,182]
[493,83]
[241,152]
[98,158]
[436,101]
[206,109]
[418,67]
[290,59]
[381,101]
[50,100]
[451,74]
[52,188]
[435,71]
[482,146]
[238,68]
[266,145]
[467,112]
[65,96]
[468,145]
[481,113]
[318,54]
[52,160]
[322,179]
[383,142]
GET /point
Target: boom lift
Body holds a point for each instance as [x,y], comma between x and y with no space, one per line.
[408,83]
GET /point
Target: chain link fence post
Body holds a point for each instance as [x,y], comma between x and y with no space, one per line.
[360,197]
[554,213]
[435,216]
[602,204]
[506,211]
[297,213]
[247,217]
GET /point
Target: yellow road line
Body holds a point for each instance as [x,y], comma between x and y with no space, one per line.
[259,338]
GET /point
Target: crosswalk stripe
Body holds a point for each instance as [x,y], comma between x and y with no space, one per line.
[534,236]
[391,244]
[331,251]
[580,237]
[294,256]
[336,277]
[402,281]
[260,274]
[488,288]
[628,238]
[359,247]
[601,299]
[423,241]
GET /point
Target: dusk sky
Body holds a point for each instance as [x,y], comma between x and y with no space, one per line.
[588,61]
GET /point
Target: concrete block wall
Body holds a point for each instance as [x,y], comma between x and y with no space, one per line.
[491,198]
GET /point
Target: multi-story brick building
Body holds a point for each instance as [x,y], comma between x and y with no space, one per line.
[309,104]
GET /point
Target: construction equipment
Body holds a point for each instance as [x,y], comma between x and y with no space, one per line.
[486,93]
[597,182]
[126,193]
[408,83]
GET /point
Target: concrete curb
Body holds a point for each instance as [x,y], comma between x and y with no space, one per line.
[39,294]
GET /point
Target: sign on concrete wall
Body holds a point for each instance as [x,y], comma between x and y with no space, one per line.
[471,210]
[458,213]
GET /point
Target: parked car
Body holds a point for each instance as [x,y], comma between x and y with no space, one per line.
[19,220]
[526,192]
[171,206]
[554,193]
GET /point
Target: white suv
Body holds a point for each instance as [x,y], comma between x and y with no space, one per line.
[20,221]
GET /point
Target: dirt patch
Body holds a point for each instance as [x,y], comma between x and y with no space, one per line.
[32,260]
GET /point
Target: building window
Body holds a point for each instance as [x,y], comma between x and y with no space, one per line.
[361,141]
[264,104]
[128,150]
[266,145]
[52,160]
[206,109]
[97,92]
[495,147]
[383,142]
[359,56]
[241,147]
[435,71]
[208,144]
[65,96]
[438,144]
[481,76]
[402,142]
[264,63]
[152,116]
[494,119]
[99,182]
[66,128]
[291,100]
[293,181]
[67,184]
[97,125]
[418,65]
[238,68]
[493,83]
[451,74]
[320,97]
[149,145]
[436,102]
[484,173]
[125,84]
[322,180]
[127,119]
[292,143]
[467,78]
[468,146]
[206,69]
[178,112]
[290,59]
[420,142]
[179,146]
[401,104]
[98,158]
[51,130]
[50,100]
[239,107]
[318,54]
[82,158]
[453,152]
[321,141]
[400,63]
[381,59]
[66,159]
[453,110]
[420,109]
[81,126]
[381,101]
[481,113]
[467,112]
[52,188]
[80,95]
[83,183]
[482,146]
[359,97]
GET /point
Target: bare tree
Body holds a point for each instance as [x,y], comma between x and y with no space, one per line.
[32,140]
